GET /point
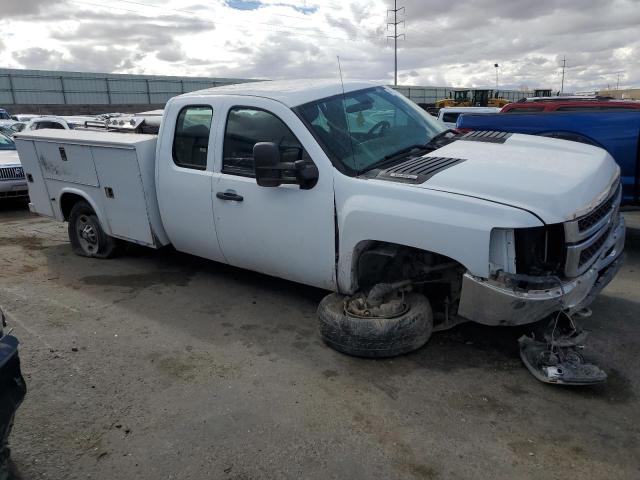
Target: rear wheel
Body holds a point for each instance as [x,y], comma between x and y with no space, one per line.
[87,237]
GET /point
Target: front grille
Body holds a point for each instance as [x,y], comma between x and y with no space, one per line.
[418,170]
[589,252]
[592,218]
[586,237]
[11,173]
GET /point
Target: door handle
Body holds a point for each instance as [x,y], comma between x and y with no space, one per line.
[230,196]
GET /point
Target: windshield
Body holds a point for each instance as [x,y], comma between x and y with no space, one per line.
[6,143]
[4,115]
[361,128]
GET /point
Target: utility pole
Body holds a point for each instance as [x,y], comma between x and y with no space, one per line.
[395,37]
[618,73]
[564,65]
[497,66]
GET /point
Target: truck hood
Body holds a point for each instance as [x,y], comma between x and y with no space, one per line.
[557,180]
[9,157]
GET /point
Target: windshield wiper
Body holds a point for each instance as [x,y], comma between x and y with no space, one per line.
[439,136]
[402,152]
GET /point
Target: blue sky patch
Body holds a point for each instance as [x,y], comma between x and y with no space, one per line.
[256,4]
[244,4]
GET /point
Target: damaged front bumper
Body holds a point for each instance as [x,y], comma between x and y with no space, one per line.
[491,302]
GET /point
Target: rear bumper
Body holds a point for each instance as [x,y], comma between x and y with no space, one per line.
[493,303]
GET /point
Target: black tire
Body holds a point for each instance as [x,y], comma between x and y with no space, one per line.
[86,234]
[375,337]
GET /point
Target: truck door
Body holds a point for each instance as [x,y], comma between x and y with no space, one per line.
[281,231]
[185,169]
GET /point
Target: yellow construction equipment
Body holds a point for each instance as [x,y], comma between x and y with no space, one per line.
[472,98]
[457,98]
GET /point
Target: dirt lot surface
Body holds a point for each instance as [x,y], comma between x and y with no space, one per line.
[159,365]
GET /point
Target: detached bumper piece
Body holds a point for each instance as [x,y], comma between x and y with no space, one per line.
[557,359]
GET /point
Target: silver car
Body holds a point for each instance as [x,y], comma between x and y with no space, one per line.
[12,178]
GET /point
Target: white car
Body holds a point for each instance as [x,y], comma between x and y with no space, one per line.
[40,123]
[12,177]
[449,115]
[24,117]
[354,189]
[57,123]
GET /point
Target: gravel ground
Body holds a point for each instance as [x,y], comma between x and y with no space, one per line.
[159,365]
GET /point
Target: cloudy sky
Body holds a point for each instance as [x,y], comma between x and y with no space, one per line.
[446,42]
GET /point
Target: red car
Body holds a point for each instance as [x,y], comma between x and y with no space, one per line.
[551,104]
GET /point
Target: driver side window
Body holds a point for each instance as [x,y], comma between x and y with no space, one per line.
[247,126]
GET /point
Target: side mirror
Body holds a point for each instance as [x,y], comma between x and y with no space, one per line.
[271,172]
[266,159]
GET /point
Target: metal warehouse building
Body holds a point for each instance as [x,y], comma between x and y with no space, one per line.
[57,92]
[64,93]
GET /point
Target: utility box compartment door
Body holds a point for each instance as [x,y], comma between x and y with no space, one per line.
[67,162]
[123,193]
[39,200]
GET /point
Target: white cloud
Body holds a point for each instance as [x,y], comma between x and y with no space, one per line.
[452,43]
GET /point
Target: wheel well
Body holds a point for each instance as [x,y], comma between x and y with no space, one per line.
[437,276]
[67,201]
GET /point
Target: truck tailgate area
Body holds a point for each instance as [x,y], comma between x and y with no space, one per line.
[114,172]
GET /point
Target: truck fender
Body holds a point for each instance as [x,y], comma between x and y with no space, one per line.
[454,226]
[81,193]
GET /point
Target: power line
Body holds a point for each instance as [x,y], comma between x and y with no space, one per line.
[395,36]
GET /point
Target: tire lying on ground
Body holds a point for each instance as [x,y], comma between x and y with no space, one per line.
[86,235]
[375,337]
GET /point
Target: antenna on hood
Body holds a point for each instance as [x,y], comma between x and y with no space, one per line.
[346,119]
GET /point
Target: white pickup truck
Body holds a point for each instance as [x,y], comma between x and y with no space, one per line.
[350,188]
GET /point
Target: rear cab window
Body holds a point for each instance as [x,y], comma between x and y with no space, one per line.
[450,117]
[47,124]
[191,137]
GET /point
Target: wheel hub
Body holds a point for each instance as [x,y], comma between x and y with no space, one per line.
[87,234]
[357,307]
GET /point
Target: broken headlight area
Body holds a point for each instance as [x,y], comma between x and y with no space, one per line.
[540,251]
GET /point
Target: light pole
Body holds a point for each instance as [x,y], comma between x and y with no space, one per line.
[497,66]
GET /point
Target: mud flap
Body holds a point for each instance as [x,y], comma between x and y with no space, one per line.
[559,363]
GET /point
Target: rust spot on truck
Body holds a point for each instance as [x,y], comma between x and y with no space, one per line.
[52,168]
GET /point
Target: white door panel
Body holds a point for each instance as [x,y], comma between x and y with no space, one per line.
[281,231]
[184,194]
